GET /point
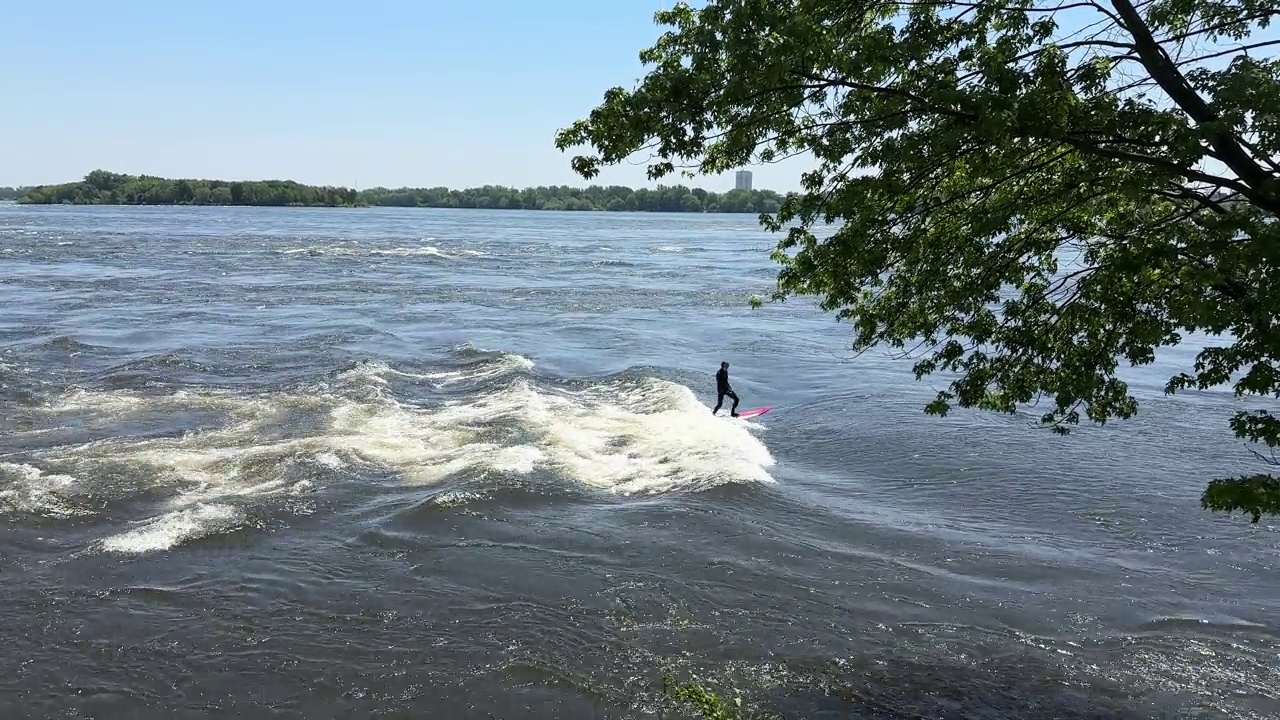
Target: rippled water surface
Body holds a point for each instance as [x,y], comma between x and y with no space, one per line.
[335,463]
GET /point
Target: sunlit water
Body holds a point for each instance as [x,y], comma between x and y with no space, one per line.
[325,463]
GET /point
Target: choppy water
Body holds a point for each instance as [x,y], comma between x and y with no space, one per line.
[328,463]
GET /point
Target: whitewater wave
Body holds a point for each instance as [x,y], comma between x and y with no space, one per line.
[174,528]
[487,421]
[26,489]
[359,251]
[504,365]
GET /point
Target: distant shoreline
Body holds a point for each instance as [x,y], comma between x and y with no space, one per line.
[105,188]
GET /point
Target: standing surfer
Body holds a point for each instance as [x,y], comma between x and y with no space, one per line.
[723,389]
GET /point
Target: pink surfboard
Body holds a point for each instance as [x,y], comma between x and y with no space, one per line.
[754,412]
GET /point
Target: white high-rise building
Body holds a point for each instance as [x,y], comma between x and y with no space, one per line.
[742,180]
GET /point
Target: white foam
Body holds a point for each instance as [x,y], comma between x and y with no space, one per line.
[216,472]
[114,404]
[455,498]
[79,401]
[329,460]
[374,374]
[430,250]
[629,437]
[173,528]
[650,438]
[27,489]
[424,447]
[356,251]
[218,467]
[482,371]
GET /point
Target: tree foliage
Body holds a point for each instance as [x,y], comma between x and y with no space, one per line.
[1024,195]
[101,187]
[9,193]
[105,188]
[669,198]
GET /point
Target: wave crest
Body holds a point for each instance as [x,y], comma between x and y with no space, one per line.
[485,418]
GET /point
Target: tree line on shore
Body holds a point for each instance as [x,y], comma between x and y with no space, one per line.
[106,188]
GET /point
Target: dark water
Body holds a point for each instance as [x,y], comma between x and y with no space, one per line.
[327,463]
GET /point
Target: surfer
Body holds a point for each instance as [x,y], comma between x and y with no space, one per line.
[723,389]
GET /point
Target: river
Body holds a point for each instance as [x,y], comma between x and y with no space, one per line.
[444,463]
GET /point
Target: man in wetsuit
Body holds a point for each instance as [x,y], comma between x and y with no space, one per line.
[723,389]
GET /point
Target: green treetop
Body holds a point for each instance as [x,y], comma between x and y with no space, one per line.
[1029,193]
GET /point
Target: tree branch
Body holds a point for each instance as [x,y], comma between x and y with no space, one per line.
[1166,165]
[1171,80]
[1220,26]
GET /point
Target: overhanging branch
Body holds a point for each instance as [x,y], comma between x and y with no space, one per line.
[1166,74]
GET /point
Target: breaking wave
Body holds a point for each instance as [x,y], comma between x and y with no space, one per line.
[484,419]
[356,251]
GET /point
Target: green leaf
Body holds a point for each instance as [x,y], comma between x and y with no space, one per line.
[1252,495]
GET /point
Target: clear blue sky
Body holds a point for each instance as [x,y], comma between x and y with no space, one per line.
[377,92]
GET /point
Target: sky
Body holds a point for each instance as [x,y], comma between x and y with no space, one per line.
[391,93]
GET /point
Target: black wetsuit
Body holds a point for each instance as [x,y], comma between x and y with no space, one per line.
[723,389]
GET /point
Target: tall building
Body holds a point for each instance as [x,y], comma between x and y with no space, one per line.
[742,180]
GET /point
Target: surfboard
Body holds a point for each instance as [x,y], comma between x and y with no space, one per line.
[754,412]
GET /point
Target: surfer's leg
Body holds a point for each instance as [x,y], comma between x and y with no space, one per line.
[719,402]
[734,410]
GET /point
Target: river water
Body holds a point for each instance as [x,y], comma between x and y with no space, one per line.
[433,463]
